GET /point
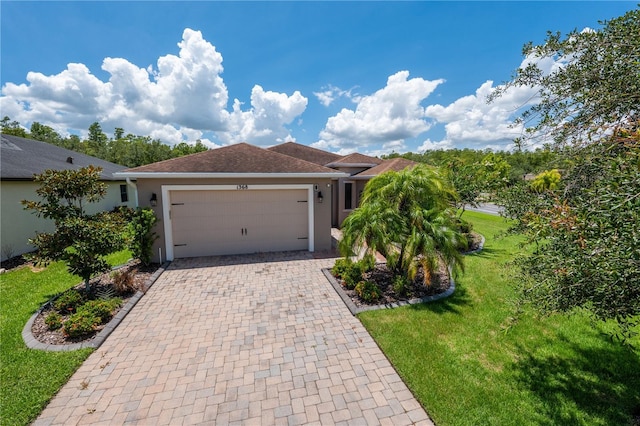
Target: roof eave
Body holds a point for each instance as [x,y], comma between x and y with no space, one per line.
[200,175]
[351,165]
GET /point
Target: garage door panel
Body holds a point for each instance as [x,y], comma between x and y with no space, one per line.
[233,222]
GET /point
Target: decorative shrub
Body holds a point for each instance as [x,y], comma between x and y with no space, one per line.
[352,276]
[123,281]
[141,235]
[368,291]
[100,309]
[341,266]
[80,323]
[351,272]
[53,320]
[68,301]
[400,285]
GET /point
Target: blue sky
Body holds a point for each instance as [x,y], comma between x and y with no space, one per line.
[369,76]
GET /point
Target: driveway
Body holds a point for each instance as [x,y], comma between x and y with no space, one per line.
[255,339]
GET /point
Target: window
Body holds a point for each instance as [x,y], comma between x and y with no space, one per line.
[124,197]
[348,195]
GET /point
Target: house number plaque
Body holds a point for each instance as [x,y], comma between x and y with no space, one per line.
[242,187]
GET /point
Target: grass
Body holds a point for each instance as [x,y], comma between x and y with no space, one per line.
[469,363]
[29,378]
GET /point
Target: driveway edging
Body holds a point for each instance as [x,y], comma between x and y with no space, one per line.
[33,343]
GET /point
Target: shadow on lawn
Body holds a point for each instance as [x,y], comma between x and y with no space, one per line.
[602,382]
[451,304]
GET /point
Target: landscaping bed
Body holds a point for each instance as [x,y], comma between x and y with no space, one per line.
[104,289]
[389,292]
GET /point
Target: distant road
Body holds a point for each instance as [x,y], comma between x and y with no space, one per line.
[486,208]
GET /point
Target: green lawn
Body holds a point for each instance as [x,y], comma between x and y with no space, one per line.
[469,364]
[29,378]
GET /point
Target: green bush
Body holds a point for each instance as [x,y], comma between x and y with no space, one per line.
[53,320]
[68,301]
[341,266]
[368,291]
[80,323]
[351,272]
[400,285]
[141,235]
[352,276]
[100,309]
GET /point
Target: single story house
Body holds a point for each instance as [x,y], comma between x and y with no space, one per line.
[245,199]
[20,159]
[358,168]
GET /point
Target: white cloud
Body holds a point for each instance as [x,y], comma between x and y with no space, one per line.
[472,122]
[184,97]
[429,145]
[264,123]
[393,113]
[331,93]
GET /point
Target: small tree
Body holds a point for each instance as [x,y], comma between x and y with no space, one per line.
[80,240]
[407,217]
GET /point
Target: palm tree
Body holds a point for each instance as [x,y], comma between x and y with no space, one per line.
[407,217]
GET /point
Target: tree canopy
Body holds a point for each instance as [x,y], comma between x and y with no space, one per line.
[584,224]
[594,90]
[125,149]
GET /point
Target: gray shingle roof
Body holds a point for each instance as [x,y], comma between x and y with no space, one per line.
[22,158]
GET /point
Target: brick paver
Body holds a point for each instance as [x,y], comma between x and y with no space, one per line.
[256,339]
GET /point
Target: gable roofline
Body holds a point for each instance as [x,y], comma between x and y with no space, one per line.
[201,175]
[234,160]
[305,152]
[355,160]
[394,164]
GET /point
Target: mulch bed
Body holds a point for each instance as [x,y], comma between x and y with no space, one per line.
[100,284]
[383,278]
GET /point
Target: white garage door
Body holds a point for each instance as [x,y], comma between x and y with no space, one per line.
[206,223]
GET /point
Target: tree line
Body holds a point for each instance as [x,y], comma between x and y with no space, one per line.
[127,150]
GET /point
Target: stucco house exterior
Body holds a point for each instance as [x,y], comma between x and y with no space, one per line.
[358,169]
[20,159]
[245,199]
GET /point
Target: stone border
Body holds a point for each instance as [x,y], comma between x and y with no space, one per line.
[99,338]
[356,310]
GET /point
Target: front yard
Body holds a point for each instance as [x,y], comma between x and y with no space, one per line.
[29,378]
[465,358]
[468,362]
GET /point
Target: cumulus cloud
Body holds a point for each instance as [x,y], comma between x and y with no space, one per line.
[264,123]
[429,145]
[183,96]
[393,113]
[472,122]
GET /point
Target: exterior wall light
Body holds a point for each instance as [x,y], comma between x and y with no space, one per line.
[320,197]
[154,200]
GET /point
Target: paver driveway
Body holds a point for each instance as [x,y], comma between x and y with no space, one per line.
[257,339]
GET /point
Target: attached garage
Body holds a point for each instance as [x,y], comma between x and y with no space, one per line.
[234,200]
[227,219]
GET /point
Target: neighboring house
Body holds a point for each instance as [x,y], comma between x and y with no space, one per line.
[245,199]
[22,158]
